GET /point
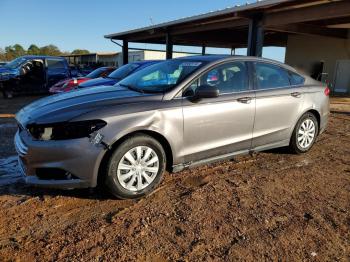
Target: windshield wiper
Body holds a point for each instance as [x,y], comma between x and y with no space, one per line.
[132,88]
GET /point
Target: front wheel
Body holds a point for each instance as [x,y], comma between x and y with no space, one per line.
[135,167]
[304,134]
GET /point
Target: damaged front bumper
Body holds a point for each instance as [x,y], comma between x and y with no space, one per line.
[58,164]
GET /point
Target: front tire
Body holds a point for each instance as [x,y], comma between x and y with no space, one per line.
[304,134]
[136,167]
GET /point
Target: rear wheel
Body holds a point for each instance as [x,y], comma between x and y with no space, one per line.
[304,134]
[136,167]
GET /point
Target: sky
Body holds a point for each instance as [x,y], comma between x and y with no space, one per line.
[81,24]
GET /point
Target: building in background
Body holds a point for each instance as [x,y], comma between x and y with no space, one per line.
[116,59]
[93,59]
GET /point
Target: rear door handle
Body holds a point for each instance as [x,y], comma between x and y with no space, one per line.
[296,94]
[244,100]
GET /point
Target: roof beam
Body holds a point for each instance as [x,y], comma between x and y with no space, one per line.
[307,29]
[310,13]
[195,28]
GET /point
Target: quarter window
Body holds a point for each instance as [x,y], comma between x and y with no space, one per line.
[270,76]
[296,79]
[228,78]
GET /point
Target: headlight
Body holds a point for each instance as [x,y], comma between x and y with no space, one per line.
[65,130]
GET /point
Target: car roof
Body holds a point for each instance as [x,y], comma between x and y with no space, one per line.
[41,57]
[106,67]
[219,58]
[144,62]
[207,58]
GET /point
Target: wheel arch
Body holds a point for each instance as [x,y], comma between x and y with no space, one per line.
[312,111]
[317,115]
[157,136]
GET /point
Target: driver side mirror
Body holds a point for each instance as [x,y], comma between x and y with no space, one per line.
[206,91]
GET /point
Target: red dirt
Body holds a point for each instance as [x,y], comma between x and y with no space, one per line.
[270,206]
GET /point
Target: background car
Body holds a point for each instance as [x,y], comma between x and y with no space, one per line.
[71,83]
[118,74]
[32,74]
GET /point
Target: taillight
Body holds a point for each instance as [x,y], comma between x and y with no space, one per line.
[327,91]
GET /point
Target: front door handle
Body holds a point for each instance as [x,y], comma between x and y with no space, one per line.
[296,94]
[244,100]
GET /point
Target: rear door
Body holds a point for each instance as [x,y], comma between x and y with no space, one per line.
[217,126]
[278,104]
[56,70]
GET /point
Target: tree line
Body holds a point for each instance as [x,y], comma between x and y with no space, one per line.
[14,51]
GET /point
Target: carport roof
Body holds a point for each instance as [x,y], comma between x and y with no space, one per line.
[229,27]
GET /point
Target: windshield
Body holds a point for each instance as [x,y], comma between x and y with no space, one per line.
[161,76]
[123,71]
[15,63]
[96,73]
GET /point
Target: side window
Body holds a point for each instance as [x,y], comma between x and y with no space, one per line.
[270,76]
[55,64]
[296,79]
[228,78]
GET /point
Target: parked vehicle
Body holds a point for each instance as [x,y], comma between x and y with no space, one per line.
[32,74]
[118,74]
[75,71]
[170,116]
[72,83]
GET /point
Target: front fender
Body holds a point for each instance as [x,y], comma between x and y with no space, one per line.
[166,120]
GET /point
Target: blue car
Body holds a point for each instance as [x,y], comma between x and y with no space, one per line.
[32,74]
[118,74]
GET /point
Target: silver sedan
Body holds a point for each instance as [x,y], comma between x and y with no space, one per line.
[173,115]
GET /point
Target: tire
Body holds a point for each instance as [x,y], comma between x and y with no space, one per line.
[123,176]
[304,134]
[7,94]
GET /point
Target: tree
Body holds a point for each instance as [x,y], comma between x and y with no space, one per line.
[80,52]
[18,50]
[33,50]
[50,50]
[2,55]
[14,51]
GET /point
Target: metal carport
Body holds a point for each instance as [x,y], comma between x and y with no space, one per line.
[264,23]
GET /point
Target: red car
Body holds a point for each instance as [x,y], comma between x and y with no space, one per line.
[71,83]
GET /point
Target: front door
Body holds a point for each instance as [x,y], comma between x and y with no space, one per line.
[32,76]
[214,127]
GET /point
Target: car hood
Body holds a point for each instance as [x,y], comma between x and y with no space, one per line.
[98,82]
[7,70]
[66,106]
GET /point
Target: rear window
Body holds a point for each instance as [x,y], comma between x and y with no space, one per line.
[96,73]
[296,79]
[270,76]
[55,64]
[123,71]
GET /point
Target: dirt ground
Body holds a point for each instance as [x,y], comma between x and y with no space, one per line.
[270,206]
